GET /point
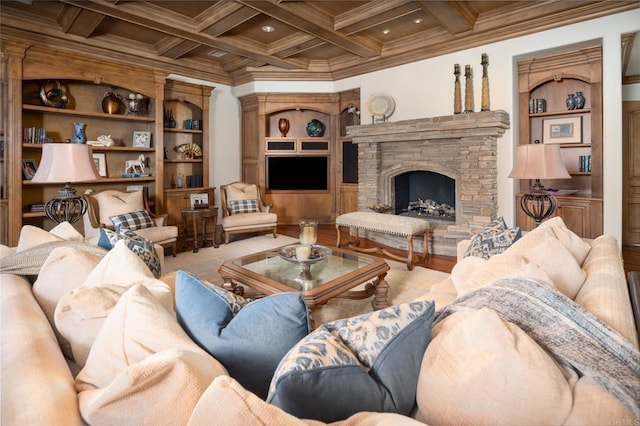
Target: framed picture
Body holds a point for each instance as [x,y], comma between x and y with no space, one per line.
[100,160]
[199,201]
[562,130]
[142,139]
[29,169]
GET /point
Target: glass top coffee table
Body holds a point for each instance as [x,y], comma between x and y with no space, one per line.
[335,275]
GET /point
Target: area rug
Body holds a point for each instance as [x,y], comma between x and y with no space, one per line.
[404,285]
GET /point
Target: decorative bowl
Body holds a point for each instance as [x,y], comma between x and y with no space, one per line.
[318,253]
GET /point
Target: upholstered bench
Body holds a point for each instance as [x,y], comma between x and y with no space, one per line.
[386,224]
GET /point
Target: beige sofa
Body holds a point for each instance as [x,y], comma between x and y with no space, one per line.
[40,385]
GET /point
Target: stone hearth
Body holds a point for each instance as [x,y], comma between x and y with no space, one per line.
[462,147]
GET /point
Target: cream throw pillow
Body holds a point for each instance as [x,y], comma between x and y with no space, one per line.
[578,247]
[479,369]
[143,368]
[64,270]
[31,236]
[115,203]
[249,192]
[474,272]
[120,266]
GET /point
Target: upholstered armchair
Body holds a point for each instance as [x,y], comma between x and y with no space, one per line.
[244,211]
[107,204]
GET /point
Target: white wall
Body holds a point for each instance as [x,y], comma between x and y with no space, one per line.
[425,89]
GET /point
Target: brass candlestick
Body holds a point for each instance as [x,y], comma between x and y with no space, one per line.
[468,89]
[457,96]
[485,83]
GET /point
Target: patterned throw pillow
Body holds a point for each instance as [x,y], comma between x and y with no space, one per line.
[244,206]
[494,239]
[369,362]
[132,221]
[248,337]
[140,246]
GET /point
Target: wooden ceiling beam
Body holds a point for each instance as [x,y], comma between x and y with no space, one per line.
[143,14]
[229,21]
[371,14]
[77,21]
[174,47]
[309,20]
[455,17]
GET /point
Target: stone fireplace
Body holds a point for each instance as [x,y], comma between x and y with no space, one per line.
[461,147]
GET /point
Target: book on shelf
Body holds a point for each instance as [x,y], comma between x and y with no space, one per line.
[34,135]
[36,208]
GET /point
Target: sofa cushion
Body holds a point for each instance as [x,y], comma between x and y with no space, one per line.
[479,369]
[593,405]
[578,247]
[248,338]
[494,239]
[244,192]
[243,206]
[142,368]
[31,236]
[365,363]
[139,245]
[132,221]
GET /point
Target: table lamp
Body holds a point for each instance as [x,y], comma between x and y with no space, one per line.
[66,163]
[538,161]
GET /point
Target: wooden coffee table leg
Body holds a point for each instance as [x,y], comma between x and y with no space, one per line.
[380,296]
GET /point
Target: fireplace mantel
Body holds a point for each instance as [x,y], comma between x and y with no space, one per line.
[487,123]
[462,147]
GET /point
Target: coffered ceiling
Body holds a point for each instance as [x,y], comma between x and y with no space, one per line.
[225,41]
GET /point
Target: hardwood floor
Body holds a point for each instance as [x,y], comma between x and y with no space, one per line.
[327,237]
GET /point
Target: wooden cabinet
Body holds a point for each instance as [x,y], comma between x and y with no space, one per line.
[581,215]
[296,172]
[84,81]
[185,163]
[544,116]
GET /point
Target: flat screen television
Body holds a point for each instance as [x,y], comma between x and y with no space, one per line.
[297,173]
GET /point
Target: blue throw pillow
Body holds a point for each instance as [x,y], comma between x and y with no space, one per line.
[366,363]
[248,337]
[494,239]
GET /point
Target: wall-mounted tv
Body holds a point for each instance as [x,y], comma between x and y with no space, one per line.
[297,173]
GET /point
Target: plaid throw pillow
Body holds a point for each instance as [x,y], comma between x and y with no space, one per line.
[132,221]
[243,206]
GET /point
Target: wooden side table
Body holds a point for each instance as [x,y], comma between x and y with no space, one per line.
[193,217]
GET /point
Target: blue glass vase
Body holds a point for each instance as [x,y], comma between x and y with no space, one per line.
[78,133]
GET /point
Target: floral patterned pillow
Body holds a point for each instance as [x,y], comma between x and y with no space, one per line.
[370,362]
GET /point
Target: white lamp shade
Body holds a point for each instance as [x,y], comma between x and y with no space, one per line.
[539,161]
[66,162]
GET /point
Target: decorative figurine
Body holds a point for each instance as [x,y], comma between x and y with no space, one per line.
[457,95]
[468,89]
[134,167]
[485,83]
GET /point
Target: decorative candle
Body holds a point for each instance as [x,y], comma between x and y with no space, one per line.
[303,252]
[308,232]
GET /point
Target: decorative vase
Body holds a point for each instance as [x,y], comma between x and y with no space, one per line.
[78,133]
[308,232]
[283,126]
[580,101]
[571,101]
[112,103]
[315,128]
[169,121]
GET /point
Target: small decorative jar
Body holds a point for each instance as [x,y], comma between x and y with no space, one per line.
[315,128]
[112,103]
[283,126]
[580,101]
[308,232]
[78,133]
[571,101]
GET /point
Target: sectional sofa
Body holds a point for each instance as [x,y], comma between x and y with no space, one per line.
[540,332]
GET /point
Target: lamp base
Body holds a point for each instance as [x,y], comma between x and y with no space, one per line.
[67,206]
[538,206]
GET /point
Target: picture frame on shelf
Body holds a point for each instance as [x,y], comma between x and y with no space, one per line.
[29,168]
[199,201]
[141,139]
[562,130]
[100,160]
